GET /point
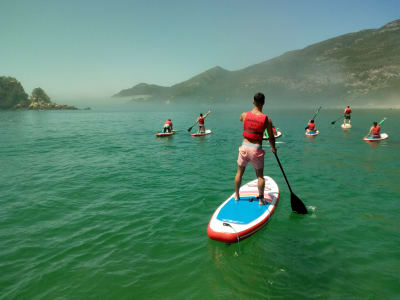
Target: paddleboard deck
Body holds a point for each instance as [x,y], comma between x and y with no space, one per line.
[312,133]
[278,135]
[234,220]
[384,136]
[208,131]
[346,126]
[160,134]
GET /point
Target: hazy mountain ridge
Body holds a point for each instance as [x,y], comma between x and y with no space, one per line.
[351,67]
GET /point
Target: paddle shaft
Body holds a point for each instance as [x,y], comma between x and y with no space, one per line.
[283,172]
[316,113]
[333,122]
[383,120]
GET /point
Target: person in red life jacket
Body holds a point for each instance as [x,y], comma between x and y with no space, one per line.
[375,131]
[168,126]
[347,115]
[274,130]
[254,124]
[310,126]
[200,120]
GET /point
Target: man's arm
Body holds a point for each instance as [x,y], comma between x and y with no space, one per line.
[205,116]
[271,137]
[242,117]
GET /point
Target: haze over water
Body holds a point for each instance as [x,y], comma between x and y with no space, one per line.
[93,205]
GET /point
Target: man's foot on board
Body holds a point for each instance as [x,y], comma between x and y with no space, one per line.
[261,200]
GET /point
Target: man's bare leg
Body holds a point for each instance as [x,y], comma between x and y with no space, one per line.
[261,185]
[238,181]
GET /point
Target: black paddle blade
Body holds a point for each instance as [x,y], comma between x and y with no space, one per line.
[333,122]
[297,205]
[190,129]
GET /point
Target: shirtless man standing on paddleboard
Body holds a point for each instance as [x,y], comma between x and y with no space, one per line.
[254,124]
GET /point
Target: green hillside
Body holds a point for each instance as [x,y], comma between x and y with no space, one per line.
[356,68]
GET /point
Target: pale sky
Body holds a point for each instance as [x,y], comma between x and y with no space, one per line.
[95,48]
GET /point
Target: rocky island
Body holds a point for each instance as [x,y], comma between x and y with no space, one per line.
[13,96]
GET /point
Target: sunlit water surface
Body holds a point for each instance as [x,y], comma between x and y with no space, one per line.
[93,205]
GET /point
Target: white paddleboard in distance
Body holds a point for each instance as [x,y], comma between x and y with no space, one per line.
[278,135]
[384,136]
[208,131]
[234,220]
[312,133]
[160,134]
[346,126]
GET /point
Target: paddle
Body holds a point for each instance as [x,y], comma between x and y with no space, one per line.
[190,128]
[333,122]
[380,123]
[297,205]
[316,113]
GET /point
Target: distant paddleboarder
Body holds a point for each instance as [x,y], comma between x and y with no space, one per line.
[254,124]
[200,120]
[375,131]
[310,126]
[168,126]
[347,115]
[274,131]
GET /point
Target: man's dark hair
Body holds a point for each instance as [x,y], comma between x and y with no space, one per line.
[201,114]
[375,123]
[259,99]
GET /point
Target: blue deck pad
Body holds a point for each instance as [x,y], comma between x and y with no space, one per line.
[241,212]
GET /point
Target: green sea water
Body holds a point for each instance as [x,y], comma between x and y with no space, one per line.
[94,206]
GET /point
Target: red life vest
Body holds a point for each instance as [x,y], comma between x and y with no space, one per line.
[311,126]
[347,111]
[201,120]
[253,126]
[168,123]
[376,130]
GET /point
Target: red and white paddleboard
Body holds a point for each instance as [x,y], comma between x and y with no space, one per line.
[160,134]
[384,136]
[208,131]
[236,220]
[312,133]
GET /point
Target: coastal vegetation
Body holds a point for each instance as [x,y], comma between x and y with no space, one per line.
[13,96]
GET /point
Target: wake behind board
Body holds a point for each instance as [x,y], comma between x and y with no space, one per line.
[369,138]
[161,134]
[346,126]
[312,133]
[208,131]
[277,135]
[236,220]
